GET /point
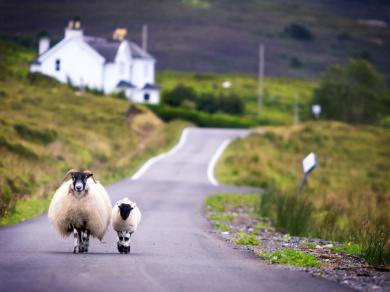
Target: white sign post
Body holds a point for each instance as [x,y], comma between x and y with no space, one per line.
[308,164]
[316,110]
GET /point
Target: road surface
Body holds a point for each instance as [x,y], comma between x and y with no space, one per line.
[173,250]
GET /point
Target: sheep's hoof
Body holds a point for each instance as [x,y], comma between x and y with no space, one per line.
[75,249]
[126,249]
[120,248]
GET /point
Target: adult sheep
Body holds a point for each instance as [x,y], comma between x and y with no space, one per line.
[80,205]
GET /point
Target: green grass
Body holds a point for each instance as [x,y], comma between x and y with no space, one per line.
[291,257]
[246,239]
[221,226]
[226,202]
[310,244]
[222,217]
[47,128]
[347,195]
[349,248]
[279,100]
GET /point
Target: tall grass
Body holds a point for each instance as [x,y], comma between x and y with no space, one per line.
[293,211]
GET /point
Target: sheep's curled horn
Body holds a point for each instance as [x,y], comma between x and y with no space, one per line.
[71,171]
[91,174]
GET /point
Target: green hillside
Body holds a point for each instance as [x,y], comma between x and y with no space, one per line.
[47,128]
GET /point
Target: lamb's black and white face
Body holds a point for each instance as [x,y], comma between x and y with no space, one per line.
[124,210]
[79,181]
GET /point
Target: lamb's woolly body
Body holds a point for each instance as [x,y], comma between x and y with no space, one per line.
[92,209]
[131,222]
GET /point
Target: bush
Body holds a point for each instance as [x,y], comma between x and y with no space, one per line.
[179,94]
[297,31]
[355,93]
[202,119]
[207,103]
[186,97]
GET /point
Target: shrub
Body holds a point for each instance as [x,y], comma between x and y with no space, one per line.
[355,93]
[297,31]
[231,104]
[207,103]
[202,119]
[180,93]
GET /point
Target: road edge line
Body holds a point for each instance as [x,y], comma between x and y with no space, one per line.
[153,160]
[214,160]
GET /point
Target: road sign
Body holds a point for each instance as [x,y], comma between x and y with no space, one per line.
[309,163]
[316,110]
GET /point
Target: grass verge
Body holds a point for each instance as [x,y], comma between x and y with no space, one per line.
[291,257]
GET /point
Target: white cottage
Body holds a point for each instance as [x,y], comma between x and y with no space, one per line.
[111,66]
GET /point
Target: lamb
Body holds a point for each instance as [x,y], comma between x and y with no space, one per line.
[125,219]
[80,205]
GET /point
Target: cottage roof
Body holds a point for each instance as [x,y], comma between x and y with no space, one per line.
[151,86]
[126,84]
[109,48]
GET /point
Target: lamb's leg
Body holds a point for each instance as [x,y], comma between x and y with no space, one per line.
[120,242]
[126,243]
[76,241]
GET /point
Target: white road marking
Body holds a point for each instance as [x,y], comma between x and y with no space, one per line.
[214,160]
[150,162]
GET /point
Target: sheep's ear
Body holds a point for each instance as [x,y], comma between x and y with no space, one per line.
[89,174]
[70,172]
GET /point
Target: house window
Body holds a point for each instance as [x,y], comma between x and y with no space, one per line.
[146,97]
[58,65]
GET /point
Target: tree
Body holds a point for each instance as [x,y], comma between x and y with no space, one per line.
[354,93]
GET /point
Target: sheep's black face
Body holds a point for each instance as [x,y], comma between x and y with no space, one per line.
[124,210]
[79,181]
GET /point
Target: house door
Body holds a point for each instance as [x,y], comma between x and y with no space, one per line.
[146,97]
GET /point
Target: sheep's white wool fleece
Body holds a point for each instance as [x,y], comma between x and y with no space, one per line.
[131,223]
[68,209]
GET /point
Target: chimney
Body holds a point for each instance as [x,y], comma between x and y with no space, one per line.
[119,34]
[44,45]
[74,28]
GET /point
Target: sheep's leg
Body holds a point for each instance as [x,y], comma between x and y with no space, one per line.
[126,243]
[120,242]
[85,236]
[81,241]
[76,241]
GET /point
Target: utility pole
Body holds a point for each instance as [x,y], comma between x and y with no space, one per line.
[260,100]
[145,37]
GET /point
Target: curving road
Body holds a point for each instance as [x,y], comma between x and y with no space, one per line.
[173,249]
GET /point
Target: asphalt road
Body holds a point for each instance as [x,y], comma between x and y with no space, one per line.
[173,250]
